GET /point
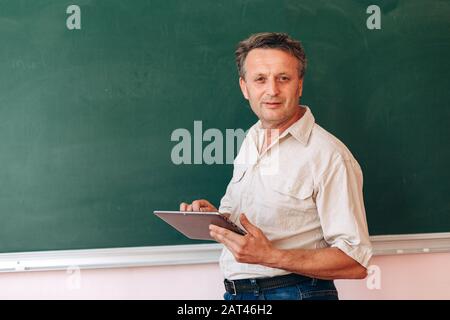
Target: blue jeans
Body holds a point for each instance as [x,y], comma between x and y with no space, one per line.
[314,289]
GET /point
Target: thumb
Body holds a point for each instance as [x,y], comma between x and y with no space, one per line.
[252,229]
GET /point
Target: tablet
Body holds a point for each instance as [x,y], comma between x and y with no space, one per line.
[195,225]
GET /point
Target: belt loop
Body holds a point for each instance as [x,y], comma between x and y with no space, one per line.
[255,287]
[233,285]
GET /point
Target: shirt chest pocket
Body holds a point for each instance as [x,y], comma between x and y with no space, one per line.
[293,194]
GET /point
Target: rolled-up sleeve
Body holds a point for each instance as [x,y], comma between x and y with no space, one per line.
[340,205]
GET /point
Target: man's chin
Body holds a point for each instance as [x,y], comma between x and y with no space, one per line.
[273,115]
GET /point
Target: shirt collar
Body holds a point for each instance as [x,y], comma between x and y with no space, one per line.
[301,129]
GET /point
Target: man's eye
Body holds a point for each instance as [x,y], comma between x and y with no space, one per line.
[259,79]
[284,78]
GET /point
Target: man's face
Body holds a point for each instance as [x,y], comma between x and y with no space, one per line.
[272,85]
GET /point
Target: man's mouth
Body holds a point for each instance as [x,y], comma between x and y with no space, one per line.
[272,104]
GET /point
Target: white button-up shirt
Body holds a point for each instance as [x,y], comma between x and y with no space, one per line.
[304,191]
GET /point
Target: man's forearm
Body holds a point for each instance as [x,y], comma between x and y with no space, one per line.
[326,263]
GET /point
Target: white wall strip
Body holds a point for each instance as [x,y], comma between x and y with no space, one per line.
[110,258]
[188,254]
[411,243]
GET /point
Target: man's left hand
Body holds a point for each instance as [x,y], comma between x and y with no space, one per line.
[253,248]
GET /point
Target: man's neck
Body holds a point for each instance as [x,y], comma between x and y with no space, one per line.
[270,134]
[281,127]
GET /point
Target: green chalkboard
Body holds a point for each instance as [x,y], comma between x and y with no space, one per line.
[86,115]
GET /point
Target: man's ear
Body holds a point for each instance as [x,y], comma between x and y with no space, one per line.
[300,87]
[243,86]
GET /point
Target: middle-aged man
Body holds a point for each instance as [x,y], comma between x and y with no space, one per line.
[296,189]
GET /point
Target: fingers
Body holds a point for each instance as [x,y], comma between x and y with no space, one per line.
[229,238]
[203,205]
[200,205]
[185,207]
[197,204]
[249,227]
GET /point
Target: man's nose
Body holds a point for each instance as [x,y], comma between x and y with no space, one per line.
[272,87]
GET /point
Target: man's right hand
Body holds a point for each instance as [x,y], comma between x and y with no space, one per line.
[201,205]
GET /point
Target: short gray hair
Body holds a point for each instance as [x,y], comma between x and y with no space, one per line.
[270,40]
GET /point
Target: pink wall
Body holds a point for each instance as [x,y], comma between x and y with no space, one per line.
[416,276]
[421,276]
